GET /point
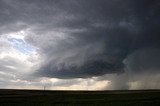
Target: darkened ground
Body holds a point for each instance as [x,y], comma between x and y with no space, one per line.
[74,98]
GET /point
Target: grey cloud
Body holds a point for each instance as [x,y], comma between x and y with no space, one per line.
[86,38]
[89,69]
[143,60]
[119,36]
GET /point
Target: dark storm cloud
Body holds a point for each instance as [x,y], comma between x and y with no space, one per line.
[147,59]
[121,27]
[85,38]
[88,69]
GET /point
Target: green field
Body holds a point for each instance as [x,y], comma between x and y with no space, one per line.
[80,98]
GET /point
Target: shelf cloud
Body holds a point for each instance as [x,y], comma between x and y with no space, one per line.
[84,39]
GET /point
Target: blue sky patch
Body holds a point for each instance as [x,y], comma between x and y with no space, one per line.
[21,45]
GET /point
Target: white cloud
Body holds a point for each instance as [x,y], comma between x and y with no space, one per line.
[15,66]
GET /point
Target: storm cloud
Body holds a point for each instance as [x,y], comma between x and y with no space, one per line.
[97,36]
[87,38]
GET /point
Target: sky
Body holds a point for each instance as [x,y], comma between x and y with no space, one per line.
[80,44]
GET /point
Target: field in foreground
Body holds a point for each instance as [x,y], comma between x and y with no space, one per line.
[80,98]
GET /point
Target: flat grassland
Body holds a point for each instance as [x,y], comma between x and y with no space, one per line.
[79,98]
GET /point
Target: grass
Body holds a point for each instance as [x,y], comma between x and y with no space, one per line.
[79,98]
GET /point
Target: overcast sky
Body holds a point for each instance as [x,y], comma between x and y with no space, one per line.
[80,44]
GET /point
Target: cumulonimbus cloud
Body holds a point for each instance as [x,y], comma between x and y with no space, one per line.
[81,39]
[97,36]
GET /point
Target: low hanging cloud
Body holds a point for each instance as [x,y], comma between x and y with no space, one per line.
[97,36]
[86,39]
